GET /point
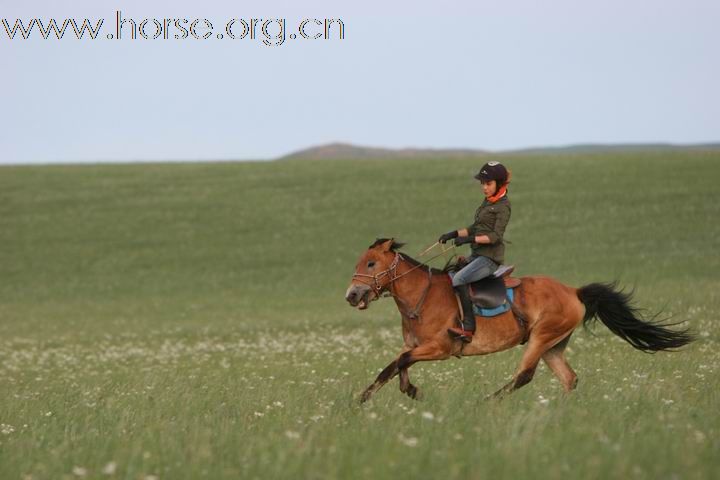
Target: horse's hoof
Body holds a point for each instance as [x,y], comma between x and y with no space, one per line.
[365,396]
[413,392]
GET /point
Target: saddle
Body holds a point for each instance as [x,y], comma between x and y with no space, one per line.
[494,295]
[491,292]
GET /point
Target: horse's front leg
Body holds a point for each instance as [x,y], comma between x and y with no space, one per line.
[406,387]
[385,376]
[428,351]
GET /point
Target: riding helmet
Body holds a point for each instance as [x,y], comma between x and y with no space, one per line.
[493,171]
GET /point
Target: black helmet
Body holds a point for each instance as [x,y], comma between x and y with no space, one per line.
[493,171]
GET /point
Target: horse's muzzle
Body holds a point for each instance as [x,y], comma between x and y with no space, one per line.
[358,296]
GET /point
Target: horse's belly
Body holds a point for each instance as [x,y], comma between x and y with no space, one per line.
[497,334]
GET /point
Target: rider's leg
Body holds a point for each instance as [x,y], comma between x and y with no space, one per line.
[477,269]
[468,320]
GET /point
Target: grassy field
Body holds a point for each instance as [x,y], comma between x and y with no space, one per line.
[187,321]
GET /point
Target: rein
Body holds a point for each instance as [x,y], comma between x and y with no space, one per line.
[413,314]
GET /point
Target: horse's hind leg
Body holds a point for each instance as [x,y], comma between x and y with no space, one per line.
[555,359]
[525,373]
[538,346]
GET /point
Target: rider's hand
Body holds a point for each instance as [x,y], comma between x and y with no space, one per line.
[463,240]
[447,236]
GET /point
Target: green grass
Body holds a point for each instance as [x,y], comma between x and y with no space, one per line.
[188,321]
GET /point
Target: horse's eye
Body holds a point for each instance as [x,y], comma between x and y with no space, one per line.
[371,264]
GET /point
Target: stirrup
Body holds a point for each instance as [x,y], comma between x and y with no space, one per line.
[462,334]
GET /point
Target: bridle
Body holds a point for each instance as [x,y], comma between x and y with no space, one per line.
[376,278]
[388,287]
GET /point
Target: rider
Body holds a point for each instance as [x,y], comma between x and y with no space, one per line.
[485,237]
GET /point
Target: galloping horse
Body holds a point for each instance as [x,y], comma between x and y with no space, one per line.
[544,314]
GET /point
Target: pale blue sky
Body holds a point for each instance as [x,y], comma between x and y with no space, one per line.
[476,74]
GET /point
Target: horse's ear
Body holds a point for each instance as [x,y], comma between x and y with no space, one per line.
[387,245]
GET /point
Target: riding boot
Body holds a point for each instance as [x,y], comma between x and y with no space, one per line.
[465,333]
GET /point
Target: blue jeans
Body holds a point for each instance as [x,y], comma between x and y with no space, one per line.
[479,267]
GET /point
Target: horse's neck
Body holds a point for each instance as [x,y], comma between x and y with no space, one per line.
[409,288]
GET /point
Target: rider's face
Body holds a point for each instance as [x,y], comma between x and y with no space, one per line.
[489,188]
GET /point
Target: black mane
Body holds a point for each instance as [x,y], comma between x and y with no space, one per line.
[449,266]
[395,245]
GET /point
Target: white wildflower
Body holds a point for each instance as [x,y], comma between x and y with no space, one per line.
[408,441]
[109,468]
[428,415]
[79,471]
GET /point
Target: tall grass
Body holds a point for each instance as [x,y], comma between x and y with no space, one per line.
[187,321]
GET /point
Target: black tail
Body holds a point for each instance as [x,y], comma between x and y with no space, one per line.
[614,308]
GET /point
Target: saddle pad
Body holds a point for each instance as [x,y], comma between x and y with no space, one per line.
[492,312]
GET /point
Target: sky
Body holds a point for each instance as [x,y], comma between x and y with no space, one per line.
[455,74]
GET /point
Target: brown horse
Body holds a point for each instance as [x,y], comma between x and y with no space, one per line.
[544,313]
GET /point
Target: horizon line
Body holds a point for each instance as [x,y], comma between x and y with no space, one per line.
[469,150]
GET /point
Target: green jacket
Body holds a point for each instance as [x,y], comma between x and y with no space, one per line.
[491,220]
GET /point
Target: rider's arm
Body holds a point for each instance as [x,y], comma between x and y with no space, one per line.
[477,239]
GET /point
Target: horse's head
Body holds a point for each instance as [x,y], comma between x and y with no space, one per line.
[373,273]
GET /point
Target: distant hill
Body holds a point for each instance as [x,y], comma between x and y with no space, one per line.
[349,151]
[618,147]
